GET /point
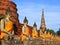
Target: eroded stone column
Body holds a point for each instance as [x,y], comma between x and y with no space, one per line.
[2,25]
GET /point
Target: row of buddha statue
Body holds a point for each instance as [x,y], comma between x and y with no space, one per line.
[35,33]
[6,25]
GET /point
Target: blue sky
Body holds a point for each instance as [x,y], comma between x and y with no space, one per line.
[32,9]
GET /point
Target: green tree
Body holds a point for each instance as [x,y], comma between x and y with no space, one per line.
[51,31]
[58,32]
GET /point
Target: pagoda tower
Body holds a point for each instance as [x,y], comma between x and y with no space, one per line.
[43,26]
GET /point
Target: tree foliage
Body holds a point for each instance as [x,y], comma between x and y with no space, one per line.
[51,31]
[58,32]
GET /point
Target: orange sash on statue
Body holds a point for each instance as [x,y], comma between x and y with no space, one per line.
[8,28]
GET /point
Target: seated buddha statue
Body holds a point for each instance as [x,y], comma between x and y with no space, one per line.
[34,31]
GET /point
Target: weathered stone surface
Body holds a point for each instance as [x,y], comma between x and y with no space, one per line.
[4,4]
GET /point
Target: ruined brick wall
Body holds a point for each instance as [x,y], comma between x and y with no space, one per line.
[4,4]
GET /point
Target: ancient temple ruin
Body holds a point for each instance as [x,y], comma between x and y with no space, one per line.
[12,32]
